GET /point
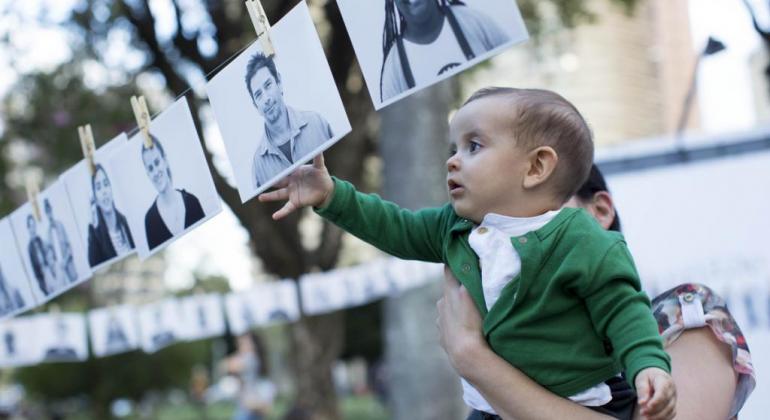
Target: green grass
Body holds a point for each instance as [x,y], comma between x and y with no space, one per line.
[353,408]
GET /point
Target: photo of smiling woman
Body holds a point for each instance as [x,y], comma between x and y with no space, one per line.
[173,210]
[108,232]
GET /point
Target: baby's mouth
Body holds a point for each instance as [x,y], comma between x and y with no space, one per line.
[453,186]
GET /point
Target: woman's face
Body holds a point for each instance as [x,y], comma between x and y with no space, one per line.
[103,191]
[600,206]
[416,11]
[156,167]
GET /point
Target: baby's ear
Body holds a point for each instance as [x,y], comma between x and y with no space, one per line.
[542,164]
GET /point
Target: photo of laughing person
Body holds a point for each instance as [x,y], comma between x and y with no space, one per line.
[406,45]
[423,39]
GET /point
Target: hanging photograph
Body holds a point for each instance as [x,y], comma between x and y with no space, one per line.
[49,243]
[165,181]
[160,325]
[239,307]
[99,213]
[113,330]
[407,45]
[63,337]
[203,315]
[275,302]
[20,342]
[277,112]
[15,286]
[323,293]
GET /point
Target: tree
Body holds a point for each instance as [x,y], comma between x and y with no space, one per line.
[192,50]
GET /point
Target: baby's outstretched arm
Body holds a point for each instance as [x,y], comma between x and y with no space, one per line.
[657,394]
[309,185]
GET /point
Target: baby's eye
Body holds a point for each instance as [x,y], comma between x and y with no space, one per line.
[473,146]
[452,151]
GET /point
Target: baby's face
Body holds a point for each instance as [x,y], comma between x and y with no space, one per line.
[486,169]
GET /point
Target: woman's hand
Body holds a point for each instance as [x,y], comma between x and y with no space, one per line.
[459,324]
[309,185]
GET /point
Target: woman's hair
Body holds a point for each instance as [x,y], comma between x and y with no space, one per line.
[102,227]
[157,144]
[394,27]
[594,184]
[98,167]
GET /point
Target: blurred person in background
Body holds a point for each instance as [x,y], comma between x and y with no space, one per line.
[249,363]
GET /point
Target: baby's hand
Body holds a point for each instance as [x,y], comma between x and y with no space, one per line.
[308,185]
[657,394]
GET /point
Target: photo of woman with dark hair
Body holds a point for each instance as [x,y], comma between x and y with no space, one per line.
[108,234]
[423,39]
[173,210]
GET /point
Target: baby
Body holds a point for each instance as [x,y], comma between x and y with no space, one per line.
[559,296]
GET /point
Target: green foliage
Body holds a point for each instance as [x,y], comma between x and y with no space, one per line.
[41,114]
[129,375]
[570,13]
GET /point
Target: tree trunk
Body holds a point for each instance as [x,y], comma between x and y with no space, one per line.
[316,343]
[414,146]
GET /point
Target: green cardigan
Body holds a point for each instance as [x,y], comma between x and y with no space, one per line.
[578,288]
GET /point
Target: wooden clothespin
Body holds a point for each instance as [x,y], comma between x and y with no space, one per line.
[142,114]
[32,192]
[261,25]
[88,146]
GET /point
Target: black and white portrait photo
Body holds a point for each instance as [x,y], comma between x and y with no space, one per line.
[203,316]
[160,325]
[323,293]
[63,337]
[239,307]
[166,185]
[20,342]
[51,248]
[100,215]
[113,330]
[277,112]
[15,286]
[406,45]
[276,302]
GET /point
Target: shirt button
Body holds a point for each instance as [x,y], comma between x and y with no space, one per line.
[482,230]
[466,268]
[523,240]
